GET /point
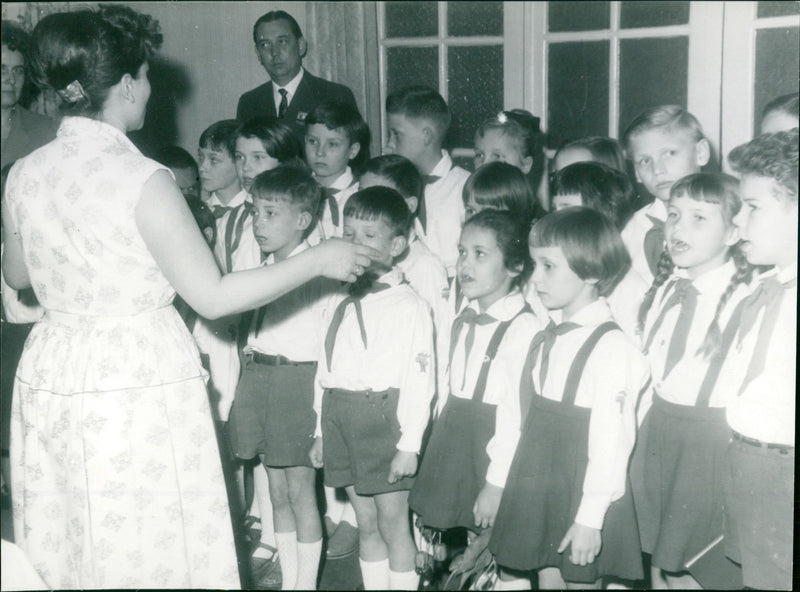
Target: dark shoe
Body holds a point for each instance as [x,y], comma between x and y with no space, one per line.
[344,541]
[266,573]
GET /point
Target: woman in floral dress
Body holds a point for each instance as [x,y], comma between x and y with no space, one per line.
[116,478]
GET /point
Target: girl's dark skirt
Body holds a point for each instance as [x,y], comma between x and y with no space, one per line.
[542,495]
[273,414]
[677,474]
[453,469]
[360,432]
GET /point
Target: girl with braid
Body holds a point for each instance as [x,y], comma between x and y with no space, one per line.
[676,468]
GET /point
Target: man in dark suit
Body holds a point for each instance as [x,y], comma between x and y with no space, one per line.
[292,92]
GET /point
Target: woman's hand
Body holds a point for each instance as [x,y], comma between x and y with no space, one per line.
[486,505]
[586,543]
[342,260]
[404,464]
[315,454]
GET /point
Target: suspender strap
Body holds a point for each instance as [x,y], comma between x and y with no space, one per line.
[580,360]
[665,308]
[491,352]
[242,217]
[229,230]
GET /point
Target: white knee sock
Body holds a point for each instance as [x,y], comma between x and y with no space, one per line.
[287,552]
[334,504]
[261,487]
[375,574]
[403,580]
[349,514]
[308,555]
[515,584]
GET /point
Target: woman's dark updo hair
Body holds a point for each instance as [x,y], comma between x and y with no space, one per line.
[94,48]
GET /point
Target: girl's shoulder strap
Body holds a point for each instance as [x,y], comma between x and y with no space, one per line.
[581,358]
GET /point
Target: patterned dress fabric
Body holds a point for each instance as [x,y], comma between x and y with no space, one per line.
[116,475]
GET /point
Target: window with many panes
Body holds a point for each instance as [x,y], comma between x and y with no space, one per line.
[457,48]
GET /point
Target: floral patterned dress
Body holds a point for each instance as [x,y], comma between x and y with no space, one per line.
[116,476]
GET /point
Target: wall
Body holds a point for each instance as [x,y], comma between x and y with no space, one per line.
[206,62]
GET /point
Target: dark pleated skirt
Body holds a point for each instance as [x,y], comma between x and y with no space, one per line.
[453,470]
[542,495]
[677,474]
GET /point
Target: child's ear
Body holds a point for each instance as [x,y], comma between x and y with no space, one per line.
[303,221]
[355,148]
[302,45]
[517,269]
[412,203]
[731,236]
[428,135]
[703,149]
[399,244]
[527,164]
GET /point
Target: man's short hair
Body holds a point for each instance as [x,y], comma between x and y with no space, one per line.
[420,102]
[277,15]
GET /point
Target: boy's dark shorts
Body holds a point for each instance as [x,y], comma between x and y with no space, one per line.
[360,432]
[273,412]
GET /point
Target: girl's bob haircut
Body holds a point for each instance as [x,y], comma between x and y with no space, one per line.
[591,244]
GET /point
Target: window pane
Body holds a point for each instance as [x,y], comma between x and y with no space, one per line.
[653,14]
[578,16]
[652,72]
[474,18]
[777,66]
[475,89]
[411,19]
[781,8]
[407,66]
[577,90]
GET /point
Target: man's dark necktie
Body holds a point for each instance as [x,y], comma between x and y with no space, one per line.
[284,104]
[654,244]
[338,315]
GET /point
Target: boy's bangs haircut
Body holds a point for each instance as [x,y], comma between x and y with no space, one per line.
[715,188]
[340,116]
[591,244]
[601,188]
[277,138]
[220,136]
[511,235]
[399,170]
[773,156]
[500,186]
[420,102]
[380,203]
[290,184]
[670,117]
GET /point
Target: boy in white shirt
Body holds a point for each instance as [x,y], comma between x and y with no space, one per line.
[272,415]
[374,385]
[418,119]
[335,136]
[665,144]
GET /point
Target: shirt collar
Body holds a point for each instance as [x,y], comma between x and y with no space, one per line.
[343,181]
[291,87]
[298,249]
[443,166]
[504,308]
[657,209]
[714,281]
[784,276]
[596,313]
[393,277]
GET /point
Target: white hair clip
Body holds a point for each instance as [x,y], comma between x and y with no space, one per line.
[72,93]
[502,117]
